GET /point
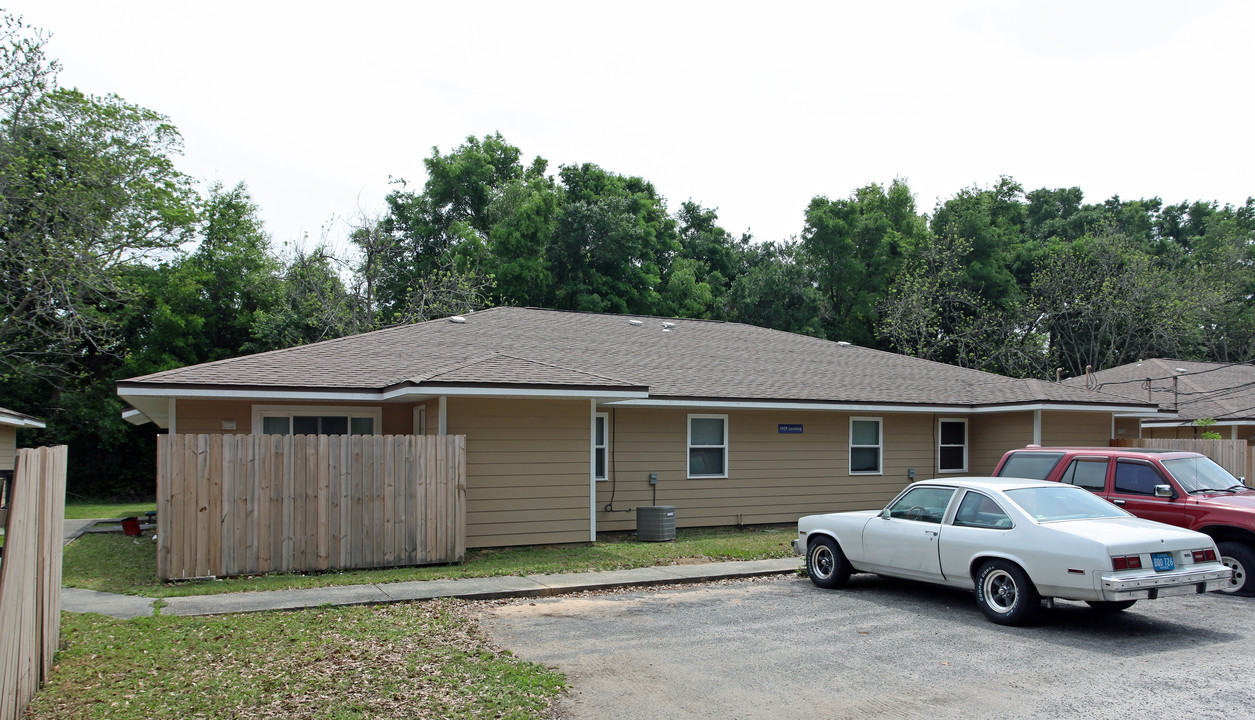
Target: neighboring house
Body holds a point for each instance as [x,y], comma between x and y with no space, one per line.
[1185,392]
[568,415]
[9,423]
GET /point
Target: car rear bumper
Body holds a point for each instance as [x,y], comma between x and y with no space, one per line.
[1157,585]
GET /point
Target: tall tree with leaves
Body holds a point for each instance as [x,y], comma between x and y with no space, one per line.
[87,185]
[612,239]
[855,246]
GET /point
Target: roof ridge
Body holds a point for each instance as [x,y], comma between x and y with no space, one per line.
[498,354]
[175,372]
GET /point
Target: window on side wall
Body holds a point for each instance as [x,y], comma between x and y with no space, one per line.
[599,446]
[708,446]
[866,446]
[303,420]
[952,446]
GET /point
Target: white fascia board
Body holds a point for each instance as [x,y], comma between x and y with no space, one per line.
[135,417]
[22,422]
[374,395]
[513,393]
[853,407]
[1190,423]
[187,393]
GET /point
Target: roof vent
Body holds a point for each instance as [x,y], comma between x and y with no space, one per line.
[635,323]
[457,320]
[843,343]
[668,325]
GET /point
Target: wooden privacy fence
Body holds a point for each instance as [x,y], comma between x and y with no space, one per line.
[1232,455]
[243,504]
[30,576]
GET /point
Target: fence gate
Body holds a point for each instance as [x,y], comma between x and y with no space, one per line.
[243,504]
[30,576]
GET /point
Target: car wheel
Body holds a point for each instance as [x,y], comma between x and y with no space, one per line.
[1005,594]
[1239,558]
[1108,607]
[826,564]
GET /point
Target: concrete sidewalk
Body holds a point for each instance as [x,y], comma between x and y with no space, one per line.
[129,606]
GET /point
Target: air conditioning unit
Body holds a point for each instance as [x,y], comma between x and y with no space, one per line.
[655,523]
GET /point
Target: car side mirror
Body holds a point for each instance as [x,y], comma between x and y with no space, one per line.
[1163,491]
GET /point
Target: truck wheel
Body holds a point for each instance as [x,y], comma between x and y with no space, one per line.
[1239,558]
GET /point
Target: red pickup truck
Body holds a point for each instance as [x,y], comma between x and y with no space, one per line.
[1185,489]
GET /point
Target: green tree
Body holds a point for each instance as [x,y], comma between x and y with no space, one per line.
[612,239]
[855,247]
[776,290]
[87,186]
[1106,301]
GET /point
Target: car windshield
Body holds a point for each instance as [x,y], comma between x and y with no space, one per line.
[1063,502]
[1200,474]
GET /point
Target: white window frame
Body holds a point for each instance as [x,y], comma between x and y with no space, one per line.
[940,445]
[265,411]
[604,447]
[880,447]
[688,455]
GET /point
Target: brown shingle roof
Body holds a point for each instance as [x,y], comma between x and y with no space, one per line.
[692,359]
[1221,391]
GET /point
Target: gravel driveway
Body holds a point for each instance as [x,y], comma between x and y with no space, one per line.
[782,648]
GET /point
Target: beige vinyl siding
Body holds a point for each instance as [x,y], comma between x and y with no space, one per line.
[527,469]
[8,447]
[993,435]
[1078,429]
[772,477]
[205,416]
[1128,428]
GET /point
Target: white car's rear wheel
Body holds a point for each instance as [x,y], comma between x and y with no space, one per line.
[1005,594]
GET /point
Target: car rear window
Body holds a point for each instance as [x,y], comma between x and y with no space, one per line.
[1030,465]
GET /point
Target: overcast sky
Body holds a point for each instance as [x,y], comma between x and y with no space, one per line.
[753,108]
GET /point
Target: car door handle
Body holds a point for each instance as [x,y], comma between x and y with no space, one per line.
[931,532]
[1117,502]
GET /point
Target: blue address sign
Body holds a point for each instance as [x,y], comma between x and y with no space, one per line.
[789,429]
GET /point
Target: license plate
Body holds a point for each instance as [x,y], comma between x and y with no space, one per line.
[1162,562]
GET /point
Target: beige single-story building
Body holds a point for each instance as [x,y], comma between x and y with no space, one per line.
[1184,392]
[574,419]
[10,421]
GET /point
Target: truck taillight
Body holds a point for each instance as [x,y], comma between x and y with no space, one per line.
[1126,562]
[1204,556]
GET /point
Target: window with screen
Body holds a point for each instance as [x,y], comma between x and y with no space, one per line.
[866,446]
[708,446]
[952,446]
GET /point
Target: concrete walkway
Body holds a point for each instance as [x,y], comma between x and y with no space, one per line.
[129,606]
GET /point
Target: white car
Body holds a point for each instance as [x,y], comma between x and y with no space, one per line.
[1016,542]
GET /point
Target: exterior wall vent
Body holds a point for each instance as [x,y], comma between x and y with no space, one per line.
[655,523]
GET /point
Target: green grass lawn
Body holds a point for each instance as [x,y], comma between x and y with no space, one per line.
[121,564]
[422,660]
[81,510]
